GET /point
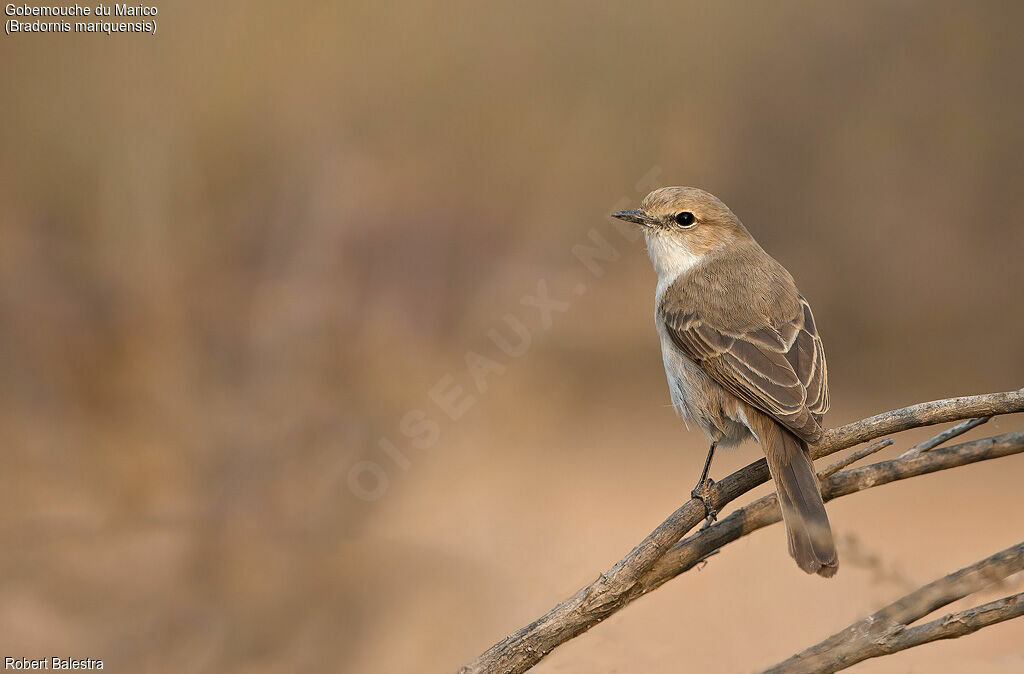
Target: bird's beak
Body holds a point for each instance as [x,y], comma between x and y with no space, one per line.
[635,216]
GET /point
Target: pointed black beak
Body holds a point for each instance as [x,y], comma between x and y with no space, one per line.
[635,216]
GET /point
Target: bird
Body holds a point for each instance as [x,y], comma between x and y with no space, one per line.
[742,354]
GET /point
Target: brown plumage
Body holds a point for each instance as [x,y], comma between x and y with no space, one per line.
[742,351]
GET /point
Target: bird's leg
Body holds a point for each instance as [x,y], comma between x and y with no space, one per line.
[703,489]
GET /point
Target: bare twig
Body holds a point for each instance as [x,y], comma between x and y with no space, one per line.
[946,435]
[915,416]
[854,457]
[959,624]
[886,631]
[627,579]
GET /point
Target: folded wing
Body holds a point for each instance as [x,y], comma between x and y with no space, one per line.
[778,369]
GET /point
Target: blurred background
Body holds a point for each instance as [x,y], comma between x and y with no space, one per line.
[276,394]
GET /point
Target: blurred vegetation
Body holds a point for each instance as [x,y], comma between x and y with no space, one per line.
[233,255]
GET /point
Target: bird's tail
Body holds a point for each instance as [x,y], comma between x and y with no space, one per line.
[810,536]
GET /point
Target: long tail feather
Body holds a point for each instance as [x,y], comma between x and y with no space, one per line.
[810,536]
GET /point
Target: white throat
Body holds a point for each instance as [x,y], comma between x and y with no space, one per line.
[670,259]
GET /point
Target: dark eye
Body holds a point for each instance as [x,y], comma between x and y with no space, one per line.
[685,219]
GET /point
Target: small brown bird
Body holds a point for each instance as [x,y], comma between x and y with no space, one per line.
[741,352]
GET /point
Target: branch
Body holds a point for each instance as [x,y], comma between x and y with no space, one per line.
[625,581]
[764,511]
[959,624]
[887,630]
[915,416]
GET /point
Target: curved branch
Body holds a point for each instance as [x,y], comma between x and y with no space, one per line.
[624,582]
[887,630]
[764,511]
[915,416]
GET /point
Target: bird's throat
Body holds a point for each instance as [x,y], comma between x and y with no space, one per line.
[671,258]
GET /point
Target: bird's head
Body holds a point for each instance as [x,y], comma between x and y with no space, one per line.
[682,225]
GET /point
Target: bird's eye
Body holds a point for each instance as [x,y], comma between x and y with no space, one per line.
[685,219]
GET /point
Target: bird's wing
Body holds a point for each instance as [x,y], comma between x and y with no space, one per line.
[780,369]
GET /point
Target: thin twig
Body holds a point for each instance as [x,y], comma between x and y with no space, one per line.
[625,580]
[946,435]
[886,631]
[958,624]
[855,456]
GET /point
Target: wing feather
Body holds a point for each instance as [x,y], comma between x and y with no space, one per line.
[779,369]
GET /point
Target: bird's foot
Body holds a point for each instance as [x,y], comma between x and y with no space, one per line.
[704,491]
